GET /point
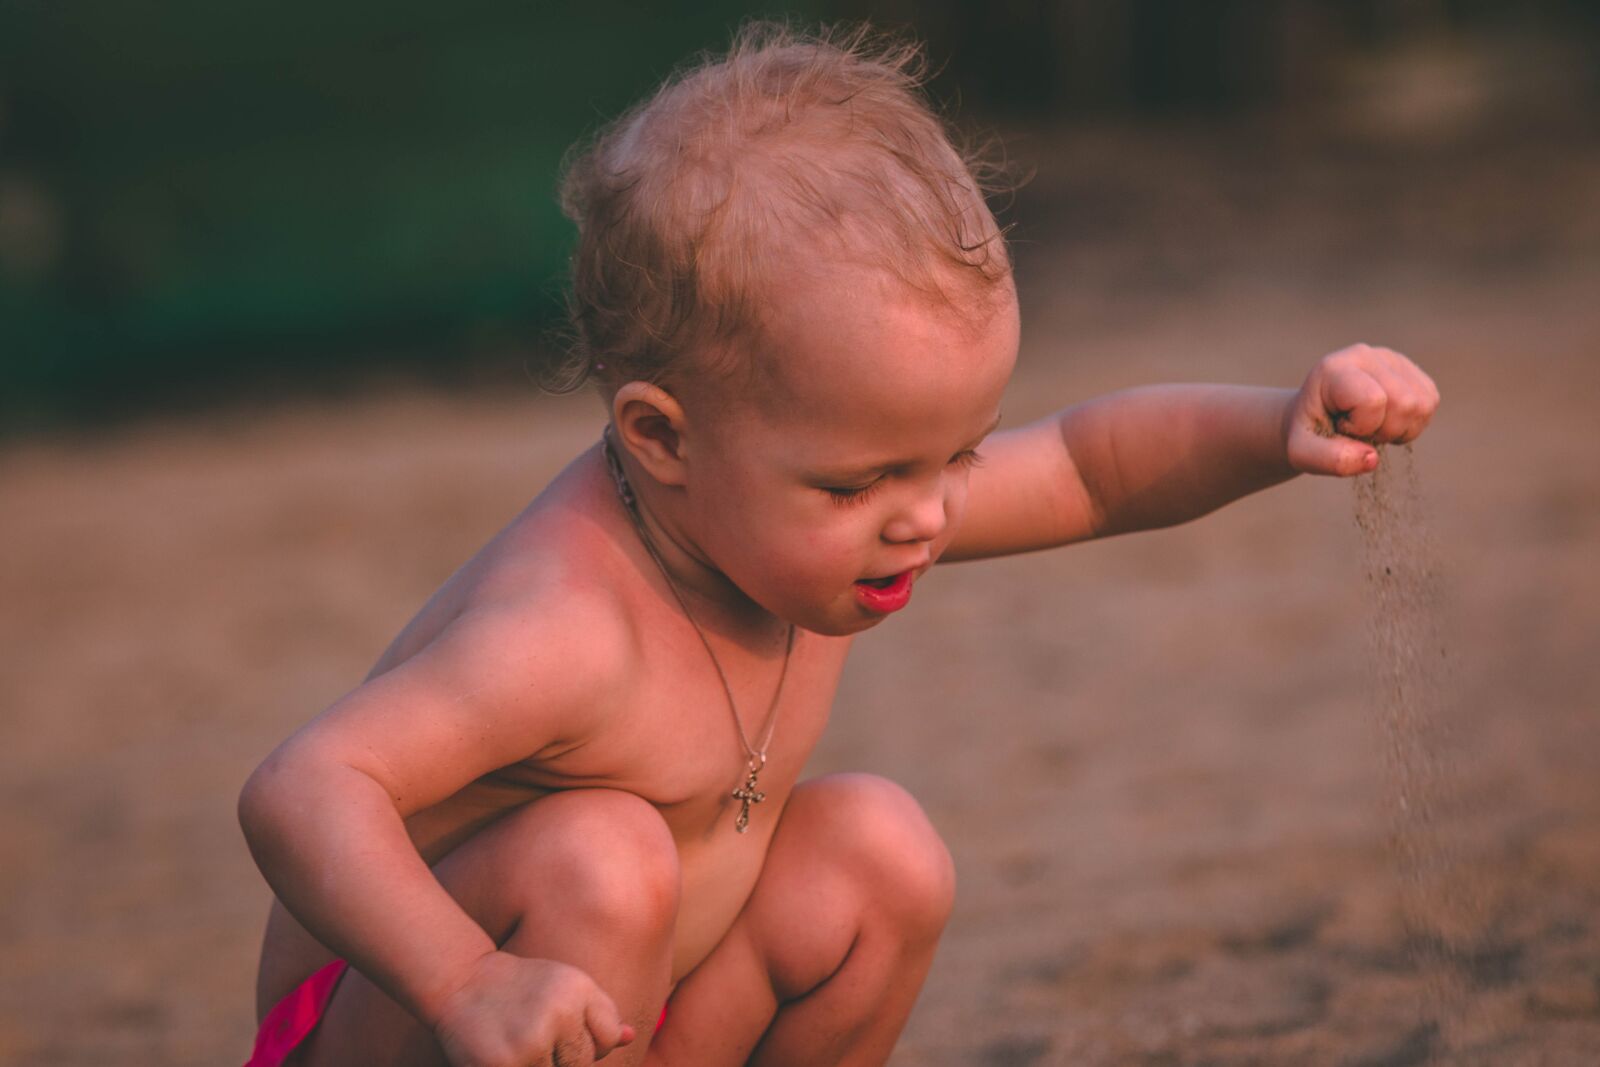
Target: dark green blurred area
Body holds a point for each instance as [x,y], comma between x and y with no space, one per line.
[251,188]
[202,198]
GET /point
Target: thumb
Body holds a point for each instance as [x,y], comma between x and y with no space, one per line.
[605,1025]
[1314,453]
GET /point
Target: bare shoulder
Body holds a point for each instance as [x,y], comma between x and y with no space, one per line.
[542,613]
[525,652]
[558,658]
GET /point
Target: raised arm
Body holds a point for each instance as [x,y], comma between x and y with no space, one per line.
[324,813]
[1162,455]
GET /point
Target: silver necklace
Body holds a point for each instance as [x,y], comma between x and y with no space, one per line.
[756,758]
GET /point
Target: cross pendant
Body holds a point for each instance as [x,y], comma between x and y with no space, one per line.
[747,795]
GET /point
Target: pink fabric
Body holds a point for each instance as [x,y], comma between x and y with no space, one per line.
[295,1016]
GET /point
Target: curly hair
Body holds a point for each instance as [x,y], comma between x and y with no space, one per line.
[791,149]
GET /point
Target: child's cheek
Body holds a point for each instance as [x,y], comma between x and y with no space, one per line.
[955,510]
[821,552]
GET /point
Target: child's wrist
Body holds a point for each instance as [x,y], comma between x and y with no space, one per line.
[1291,404]
[432,1003]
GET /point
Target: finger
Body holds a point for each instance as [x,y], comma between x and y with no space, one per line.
[1426,397]
[605,1025]
[1340,456]
[1402,408]
[1413,396]
[1354,400]
[575,1051]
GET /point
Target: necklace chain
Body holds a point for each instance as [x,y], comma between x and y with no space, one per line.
[757,757]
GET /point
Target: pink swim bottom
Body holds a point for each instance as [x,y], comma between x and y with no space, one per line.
[293,1018]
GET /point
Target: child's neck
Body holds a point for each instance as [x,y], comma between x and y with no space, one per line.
[720,607]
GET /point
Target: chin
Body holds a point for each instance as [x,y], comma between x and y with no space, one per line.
[838,627]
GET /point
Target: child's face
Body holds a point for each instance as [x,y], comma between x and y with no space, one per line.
[848,460]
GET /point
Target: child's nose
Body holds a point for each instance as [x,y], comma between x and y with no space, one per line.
[923,517]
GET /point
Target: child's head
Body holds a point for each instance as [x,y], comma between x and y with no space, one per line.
[792,156]
[791,290]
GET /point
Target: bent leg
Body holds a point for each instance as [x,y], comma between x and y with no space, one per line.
[828,956]
[586,877]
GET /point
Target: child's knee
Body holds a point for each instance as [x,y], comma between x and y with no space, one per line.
[888,845]
[605,855]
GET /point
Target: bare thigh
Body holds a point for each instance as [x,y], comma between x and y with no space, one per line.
[826,959]
[587,877]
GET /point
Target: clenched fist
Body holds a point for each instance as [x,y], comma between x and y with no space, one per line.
[516,1012]
[1353,399]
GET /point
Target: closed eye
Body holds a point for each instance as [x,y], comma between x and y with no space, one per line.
[852,494]
[966,459]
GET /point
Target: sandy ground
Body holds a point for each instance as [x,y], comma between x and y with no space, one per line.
[1158,760]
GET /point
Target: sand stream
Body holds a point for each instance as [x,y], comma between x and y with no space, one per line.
[1443,913]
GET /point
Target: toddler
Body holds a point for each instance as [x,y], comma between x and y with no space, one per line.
[561,819]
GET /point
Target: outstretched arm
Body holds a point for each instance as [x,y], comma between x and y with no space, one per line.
[1162,455]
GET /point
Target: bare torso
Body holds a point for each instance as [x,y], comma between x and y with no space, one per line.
[672,741]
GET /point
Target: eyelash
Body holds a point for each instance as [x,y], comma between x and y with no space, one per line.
[859,494]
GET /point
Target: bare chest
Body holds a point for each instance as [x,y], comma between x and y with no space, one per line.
[680,745]
[677,746]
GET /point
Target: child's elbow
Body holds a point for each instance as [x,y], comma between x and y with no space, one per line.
[263,802]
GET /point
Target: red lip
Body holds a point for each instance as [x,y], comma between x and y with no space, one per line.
[890,598]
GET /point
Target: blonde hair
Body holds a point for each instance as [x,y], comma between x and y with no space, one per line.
[791,148]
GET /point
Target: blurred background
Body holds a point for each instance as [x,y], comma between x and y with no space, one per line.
[272,280]
[196,199]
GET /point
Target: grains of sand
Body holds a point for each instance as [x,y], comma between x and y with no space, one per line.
[1441,917]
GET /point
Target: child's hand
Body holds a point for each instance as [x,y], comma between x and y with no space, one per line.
[517,1012]
[1353,399]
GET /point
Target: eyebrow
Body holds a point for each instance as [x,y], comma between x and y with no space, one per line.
[879,468]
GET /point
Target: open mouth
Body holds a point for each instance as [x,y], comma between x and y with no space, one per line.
[884,595]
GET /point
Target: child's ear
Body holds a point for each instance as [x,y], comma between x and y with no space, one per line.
[650,425]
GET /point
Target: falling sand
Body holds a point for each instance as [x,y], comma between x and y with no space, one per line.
[1442,914]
